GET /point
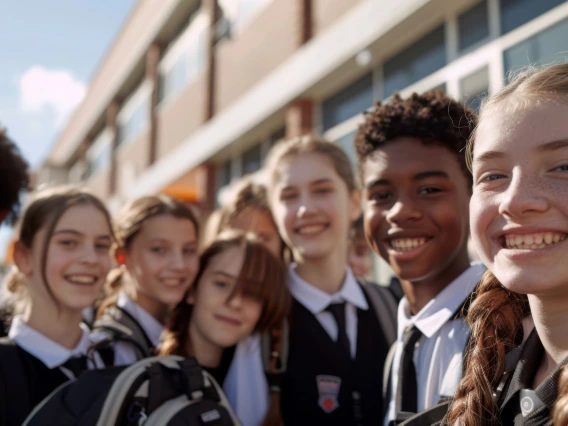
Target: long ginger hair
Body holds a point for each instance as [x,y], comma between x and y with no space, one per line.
[495,317]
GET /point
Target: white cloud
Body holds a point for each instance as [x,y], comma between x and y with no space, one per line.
[43,90]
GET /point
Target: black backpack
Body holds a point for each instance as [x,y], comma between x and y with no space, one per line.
[165,391]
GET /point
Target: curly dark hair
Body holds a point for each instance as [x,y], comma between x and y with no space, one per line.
[431,117]
[13,175]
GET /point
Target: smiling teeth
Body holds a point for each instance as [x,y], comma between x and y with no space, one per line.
[171,281]
[310,229]
[81,279]
[533,241]
[407,244]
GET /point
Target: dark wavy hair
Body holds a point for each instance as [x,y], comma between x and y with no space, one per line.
[14,176]
[431,117]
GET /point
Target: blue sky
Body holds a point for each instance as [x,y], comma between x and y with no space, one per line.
[48,51]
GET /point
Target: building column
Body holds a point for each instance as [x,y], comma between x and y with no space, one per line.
[111,123]
[306,21]
[300,118]
[152,74]
[213,12]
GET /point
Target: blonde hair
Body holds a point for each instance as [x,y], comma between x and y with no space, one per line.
[496,314]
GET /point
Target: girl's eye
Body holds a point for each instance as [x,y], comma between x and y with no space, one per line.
[103,246]
[158,250]
[287,196]
[490,178]
[562,168]
[221,284]
[322,190]
[68,243]
[189,251]
[380,196]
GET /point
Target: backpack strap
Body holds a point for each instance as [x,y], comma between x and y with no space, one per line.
[385,307]
[121,327]
[387,372]
[13,374]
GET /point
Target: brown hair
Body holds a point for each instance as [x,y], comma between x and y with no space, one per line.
[246,193]
[357,232]
[496,314]
[44,209]
[262,276]
[129,223]
[310,144]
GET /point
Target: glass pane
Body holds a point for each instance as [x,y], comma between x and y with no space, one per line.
[474,87]
[225,177]
[252,160]
[543,48]
[349,102]
[515,13]
[473,26]
[421,59]
[346,142]
[134,124]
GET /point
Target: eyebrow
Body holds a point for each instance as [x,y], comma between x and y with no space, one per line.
[416,177]
[316,182]
[549,146]
[225,274]
[554,145]
[77,233]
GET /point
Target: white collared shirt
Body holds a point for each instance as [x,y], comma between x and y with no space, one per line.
[439,352]
[124,353]
[316,301]
[51,353]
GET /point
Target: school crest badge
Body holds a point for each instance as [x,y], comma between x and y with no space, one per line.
[328,390]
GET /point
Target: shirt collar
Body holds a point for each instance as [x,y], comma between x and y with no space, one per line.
[442,307]
[316,300]
[51,353]
[149,324]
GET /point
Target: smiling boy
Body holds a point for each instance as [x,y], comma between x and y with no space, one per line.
[416,191]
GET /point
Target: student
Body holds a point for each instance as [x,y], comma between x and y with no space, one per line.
[337,344]
[416,200]
[359,253]
[247,209]
[157,254]
[240,289]
[62,256]
[519,222]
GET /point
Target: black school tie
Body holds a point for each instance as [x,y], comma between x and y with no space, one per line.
[338,312]
[407,388]
[76,364]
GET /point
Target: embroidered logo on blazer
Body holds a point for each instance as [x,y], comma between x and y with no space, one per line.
[328,389]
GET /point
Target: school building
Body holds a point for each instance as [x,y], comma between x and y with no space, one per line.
[192,94]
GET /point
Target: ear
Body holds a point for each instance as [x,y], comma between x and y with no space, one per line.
[120,256]
[23,259]
[355,205]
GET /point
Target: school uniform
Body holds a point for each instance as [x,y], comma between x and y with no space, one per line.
[321,377]
[336,357]
[40,365]
[520,405]
[149,331]
[427,361]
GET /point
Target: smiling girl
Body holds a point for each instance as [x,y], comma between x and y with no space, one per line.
[337,344]
[519,222]
[157,254]
[240,288]
[62,256]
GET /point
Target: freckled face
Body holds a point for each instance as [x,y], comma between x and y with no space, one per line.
[519,207]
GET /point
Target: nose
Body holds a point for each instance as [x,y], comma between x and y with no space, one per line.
[307,206]
[90,254]
[177,262]
[236,300]
[524,195]
[403,209]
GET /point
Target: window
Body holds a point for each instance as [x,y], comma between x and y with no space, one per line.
[349,102]
[185,58]
[277,136]
[99,153]
[421,59]
[133,117]
[252,160]
[473,26]
[225,174]
[515,13]
[543,48]
[474,87]
[346,142]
